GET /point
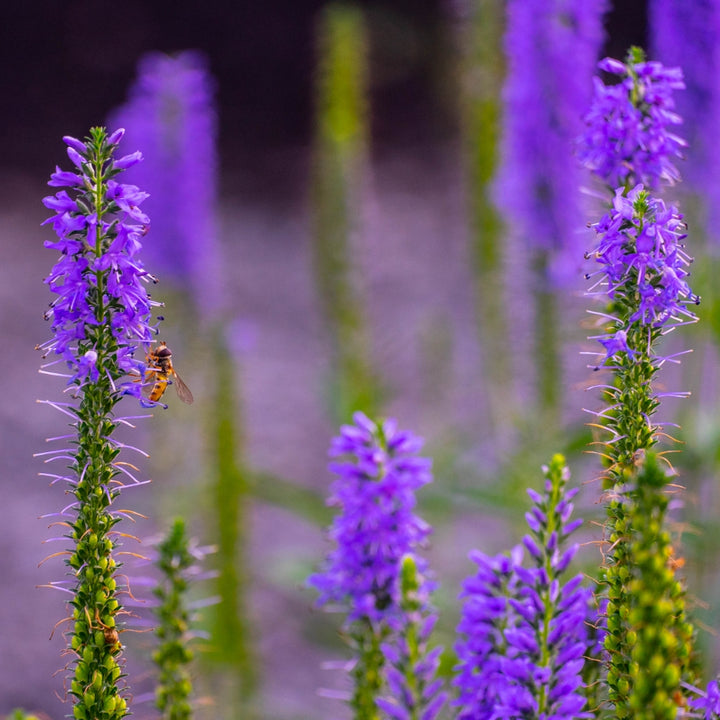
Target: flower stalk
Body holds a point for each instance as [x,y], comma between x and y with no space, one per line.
[642,277]
[414,690]
[368,671]
[525,632]
[100,317]
[374,531]
[644,270]
[173,655]
[658,631]
[338,178]
[482,71]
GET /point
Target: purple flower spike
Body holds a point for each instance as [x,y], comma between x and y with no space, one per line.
[643,267]
[629,137]
[525,634]
[170,114]
[98,241]
[100,319]
[539,179]
[698,21]
[376,527]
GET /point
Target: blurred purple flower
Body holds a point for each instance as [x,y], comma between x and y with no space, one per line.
[708,701]
[525,632]
[686,33]
[629,136]
[98,245]
[376,526]
[552,48]
[170,114]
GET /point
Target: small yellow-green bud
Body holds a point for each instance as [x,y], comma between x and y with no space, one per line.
[97,680]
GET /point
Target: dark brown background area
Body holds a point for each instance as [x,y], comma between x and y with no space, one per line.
[66,63]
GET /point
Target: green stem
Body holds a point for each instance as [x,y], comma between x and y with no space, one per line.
[367,673]
[233,634]
[547,344]
[173,655]
[480,117]
[340,149]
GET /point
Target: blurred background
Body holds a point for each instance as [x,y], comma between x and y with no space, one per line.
[343,260]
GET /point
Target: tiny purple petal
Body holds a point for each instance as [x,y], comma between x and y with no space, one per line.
[75,156]
[128,161]
[116,136]
[76,144]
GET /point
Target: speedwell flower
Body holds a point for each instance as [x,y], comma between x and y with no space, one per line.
[629,137]
[525,632]
[170,113]
[643,267]
[98,277]
[376,527]
[539,179]
[100,318]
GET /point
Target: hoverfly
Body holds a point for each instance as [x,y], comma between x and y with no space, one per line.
[161,373]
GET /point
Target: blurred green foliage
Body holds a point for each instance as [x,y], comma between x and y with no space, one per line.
[232,639]
[340,156]
[482,69]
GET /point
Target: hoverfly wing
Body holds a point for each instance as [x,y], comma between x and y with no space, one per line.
[183,391]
